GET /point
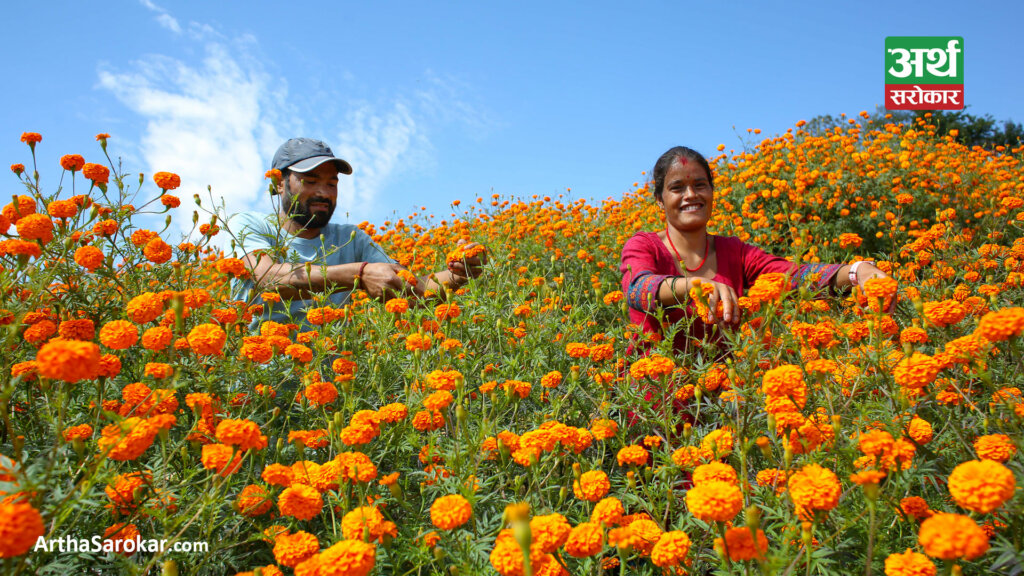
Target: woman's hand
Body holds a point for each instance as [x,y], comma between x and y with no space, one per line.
[722,294]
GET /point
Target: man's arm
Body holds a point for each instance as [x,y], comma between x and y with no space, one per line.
[303,281]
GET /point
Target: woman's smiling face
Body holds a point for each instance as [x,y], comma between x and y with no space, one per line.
[688,196]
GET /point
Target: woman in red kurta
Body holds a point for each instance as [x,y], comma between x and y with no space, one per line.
[658,268]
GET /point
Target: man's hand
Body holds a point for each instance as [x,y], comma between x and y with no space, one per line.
[381,280]
[473,257]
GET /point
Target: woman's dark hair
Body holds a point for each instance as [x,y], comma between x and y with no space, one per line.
[673,155]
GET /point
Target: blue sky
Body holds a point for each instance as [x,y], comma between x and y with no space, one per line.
[437,101]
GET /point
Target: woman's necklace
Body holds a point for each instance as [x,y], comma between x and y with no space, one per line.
[707,245]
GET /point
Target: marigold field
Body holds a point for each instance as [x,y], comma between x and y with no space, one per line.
[505,428]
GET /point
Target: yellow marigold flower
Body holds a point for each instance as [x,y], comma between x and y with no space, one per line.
[952,537]
[549,532]
[814,488]
[671,549]
[292,549]
[592,486]
[996,447]
[300,501]
[772,478]
[909,563]
[450,512]
[740,543]
[584,540]
[714,501]
[875,443]
[346,558]
[981,485]
[716,471]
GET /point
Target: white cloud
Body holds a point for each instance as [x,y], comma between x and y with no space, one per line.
[163,18]
[210,124]
[378,144]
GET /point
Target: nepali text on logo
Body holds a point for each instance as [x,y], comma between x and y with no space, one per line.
[924,73]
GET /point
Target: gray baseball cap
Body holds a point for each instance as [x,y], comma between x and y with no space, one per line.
[305,154]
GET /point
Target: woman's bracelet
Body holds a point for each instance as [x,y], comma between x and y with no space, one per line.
[853,270]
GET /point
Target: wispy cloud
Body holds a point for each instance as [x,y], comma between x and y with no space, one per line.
[217,122]
[163,18]
[211,124]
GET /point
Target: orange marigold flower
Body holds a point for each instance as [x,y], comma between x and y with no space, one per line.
[714,501]
[89,257]
[35,227]
[72,162]
[254,500]
[715,471]
[347,558]
[80,432]
[128,439]
[952,537]
[82,329]
[718,442]
[981,485]
[916,371]
[320,393]
[31,138]
[119,533]
[278,475]
[671,549]
[633,454]
[18,168]
[438,400]
[300,501]
[772,478]
[62,209]
[997,447]
[584,540]
[740,543]
[417,341]
[881,287]
[369,521]
[98,173]
[157,251]
[218,457]
[690,456]
[396,306]
[814,488]
[944,313]
[1001,325]
[913,335]
[392,413]
[608,511]
[145,307]
[242,433]
[592,486]
[157,338]
[167,180]
[920,430]
[292,549]
[915,507]
[551,379]
[68,360]
[20,526]
[517,387]
[207,339]
[119,334]
[450,512]
[507,556]
[769,287]
[356,466]
[909,563]
[24,206]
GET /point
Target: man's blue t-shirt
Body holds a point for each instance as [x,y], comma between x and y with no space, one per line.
[337,244]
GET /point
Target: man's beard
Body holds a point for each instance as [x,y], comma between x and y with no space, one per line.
[304,216]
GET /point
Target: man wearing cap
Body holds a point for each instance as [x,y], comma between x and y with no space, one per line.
[299,253]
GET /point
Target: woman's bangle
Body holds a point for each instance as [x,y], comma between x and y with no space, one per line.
[853,270]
